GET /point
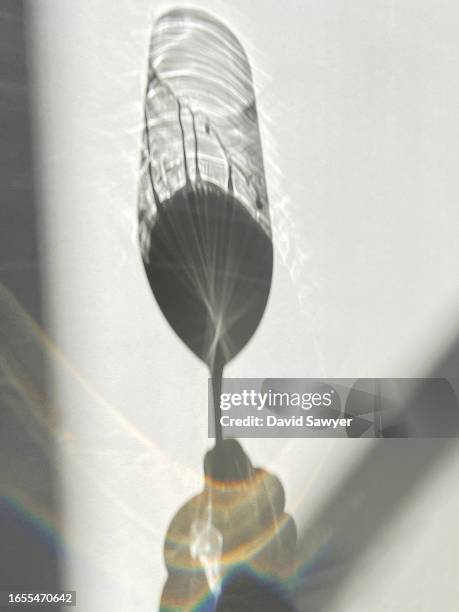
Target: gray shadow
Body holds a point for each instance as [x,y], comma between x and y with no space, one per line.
[29,559]
[372,496]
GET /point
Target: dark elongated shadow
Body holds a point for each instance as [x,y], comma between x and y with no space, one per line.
[366,502]
[28,496]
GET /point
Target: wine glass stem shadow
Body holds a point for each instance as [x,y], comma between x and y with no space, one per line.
[216,373]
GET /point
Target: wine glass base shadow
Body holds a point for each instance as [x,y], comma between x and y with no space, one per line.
[232,547]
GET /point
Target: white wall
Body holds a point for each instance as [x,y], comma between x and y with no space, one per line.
[358,105]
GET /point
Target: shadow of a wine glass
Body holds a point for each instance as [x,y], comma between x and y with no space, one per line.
[375,493]
[232,546]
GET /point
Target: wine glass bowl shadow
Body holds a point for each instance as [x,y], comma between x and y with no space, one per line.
[204,228]
[210,268]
